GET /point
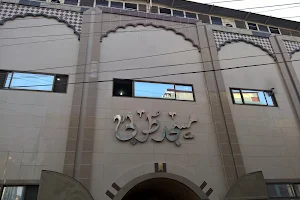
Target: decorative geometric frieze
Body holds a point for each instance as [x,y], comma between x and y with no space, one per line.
[9,11]
[223,38]
[291,46]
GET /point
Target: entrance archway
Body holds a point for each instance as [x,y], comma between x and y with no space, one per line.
[160,189]
[161,186]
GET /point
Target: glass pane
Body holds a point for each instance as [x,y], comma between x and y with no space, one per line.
[269,99]
[280,190]
[190,15]
[183,87]
[154,90]
[274,30]
[116,4]
[13,193]
[184,96]
[216,20]
[8,78]
[165,11]
[252,26]
[237,97]
[71,2]
[178,13]
[254,97]
[101,3]
[297,189]
[131,6]
[26,81]
[263,28]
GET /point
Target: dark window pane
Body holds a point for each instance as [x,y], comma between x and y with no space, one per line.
[122,88]
[240,24]
[116,4]
[13,193]
[31,192]
[280,190]
[297,189]
[252,26]
[8,80]
[3,75]
[71,2]
[274,30]
[237,98]
[190,15]
[178,13]
[28,81]
[142,7]
[131,6]
[165,11]
[89,3]
[254,97]
[154,90]
[60,84]
[295,33]
[184,92]
[216,20]
[269,98]
[263,28]
[203,18]
[154,9]
[101,3]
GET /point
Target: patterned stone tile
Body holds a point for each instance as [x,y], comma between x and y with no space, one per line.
[222,38]
[10,11]
[291,46]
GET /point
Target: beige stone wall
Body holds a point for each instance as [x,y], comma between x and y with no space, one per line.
[34,125]
[268,136]
[112,158]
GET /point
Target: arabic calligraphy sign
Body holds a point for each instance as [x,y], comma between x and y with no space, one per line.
[172,134]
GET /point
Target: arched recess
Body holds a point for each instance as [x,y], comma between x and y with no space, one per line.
[73,27]
[146,172]
[247,42]
[151,25]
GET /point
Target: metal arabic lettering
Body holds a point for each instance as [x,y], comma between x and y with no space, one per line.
[172,134]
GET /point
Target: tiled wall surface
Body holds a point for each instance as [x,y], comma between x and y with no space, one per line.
[112,158]
[268,136]
[34,125]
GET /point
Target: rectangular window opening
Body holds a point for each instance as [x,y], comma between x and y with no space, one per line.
[253,97]
[252,26]
[263,28]
[274,30]
[165,11]
[115,4]
[280,190]
[33,81]
[190,15]
[216,21]
[131,6]
[178,13]
[102,3]
[28,192]
[130,88]
[71,2]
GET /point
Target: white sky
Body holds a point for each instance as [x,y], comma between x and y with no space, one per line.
[285,11]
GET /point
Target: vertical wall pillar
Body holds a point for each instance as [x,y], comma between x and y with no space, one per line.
[288,72]
[232,160]
[78,162]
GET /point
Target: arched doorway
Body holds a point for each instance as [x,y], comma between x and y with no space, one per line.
[160,189]
[161,185]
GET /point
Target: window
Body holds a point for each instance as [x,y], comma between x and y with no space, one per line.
[131,6]
[130,88]
[33,81]
[263,28]
[166,11]
[252,26]
[228,22]
[102,3]
[29,192]
[274,30]
[71,2]
[216,20]
[253,97]
[178,13]
[115,4]
[280,190]
[190,15]
[297,189]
